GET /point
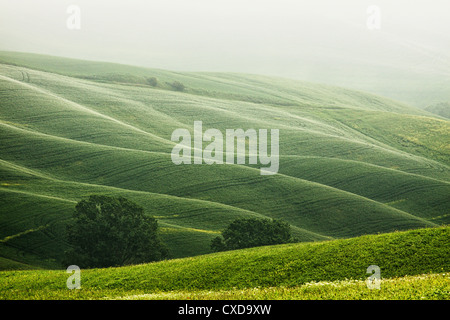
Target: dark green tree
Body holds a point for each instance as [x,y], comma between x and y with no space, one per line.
[152,81]
[252,232]
[177,85]
[108,231]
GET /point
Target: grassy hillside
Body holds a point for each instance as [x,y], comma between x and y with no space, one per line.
[350,163]
[420,287]
[442,109]
[265,272]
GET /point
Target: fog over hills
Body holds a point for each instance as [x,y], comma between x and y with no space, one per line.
[405,56]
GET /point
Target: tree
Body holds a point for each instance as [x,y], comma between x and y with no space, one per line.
[252,232]
[108,231]
[217,244]
[177,85]
[152,81]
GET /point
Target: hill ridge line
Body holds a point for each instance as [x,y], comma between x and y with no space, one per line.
[34,132]
[247,167]
[368,164]
[383,146]
[79,106]
[404,213]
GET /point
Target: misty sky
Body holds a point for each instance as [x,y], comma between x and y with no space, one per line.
[316,40]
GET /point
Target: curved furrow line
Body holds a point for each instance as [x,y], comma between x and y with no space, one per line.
[207,203]
[235,113]
[169,196]
[390,149]
[86,143]
[86,109]
[369,165]
[280,174]
[226,205]
[236,183]
[28,131]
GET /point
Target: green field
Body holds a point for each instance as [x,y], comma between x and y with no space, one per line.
[413,265]
[351,163]
[421,287]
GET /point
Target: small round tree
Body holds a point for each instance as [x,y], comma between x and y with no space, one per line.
[178,86]
[108,231]
[152,81]
[252,232]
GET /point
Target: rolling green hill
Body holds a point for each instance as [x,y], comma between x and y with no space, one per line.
[351,163]
[441,109]
[274,272]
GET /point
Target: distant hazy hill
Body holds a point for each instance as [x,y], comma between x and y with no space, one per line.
[442,109]
[351,163]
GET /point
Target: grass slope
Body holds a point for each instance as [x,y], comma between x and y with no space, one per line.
[421,287]
[350,163]
[276,271]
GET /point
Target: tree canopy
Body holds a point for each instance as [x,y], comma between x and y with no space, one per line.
[252,232]
[107,231]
